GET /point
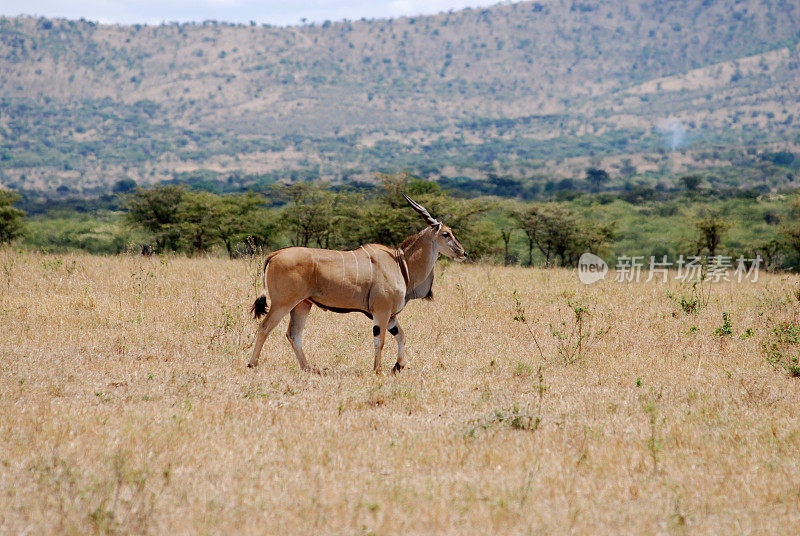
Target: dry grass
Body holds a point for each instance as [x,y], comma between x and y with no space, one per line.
[126,408]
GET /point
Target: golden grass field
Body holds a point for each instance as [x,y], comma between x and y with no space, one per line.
[126,407]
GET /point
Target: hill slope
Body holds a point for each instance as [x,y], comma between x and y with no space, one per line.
[520,89]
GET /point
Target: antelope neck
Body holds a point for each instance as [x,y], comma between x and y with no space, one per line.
[420,255]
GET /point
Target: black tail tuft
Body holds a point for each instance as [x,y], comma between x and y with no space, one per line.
[259,307]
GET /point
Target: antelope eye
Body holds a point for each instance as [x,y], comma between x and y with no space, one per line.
[446,235]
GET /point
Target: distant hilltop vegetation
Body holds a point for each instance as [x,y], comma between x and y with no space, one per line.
[535,92]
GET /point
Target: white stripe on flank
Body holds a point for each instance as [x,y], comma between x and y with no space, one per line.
[343,269]
[314,261]
[370,263]
[355,286]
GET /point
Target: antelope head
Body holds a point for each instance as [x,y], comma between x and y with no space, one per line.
[445,241]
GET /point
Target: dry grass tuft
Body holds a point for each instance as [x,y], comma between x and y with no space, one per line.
[127,408]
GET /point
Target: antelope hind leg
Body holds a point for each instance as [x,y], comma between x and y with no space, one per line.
[273,318]
[297,321]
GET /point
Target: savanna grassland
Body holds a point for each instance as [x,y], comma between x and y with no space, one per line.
[126,407]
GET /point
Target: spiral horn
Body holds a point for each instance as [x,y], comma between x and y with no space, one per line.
[422,210]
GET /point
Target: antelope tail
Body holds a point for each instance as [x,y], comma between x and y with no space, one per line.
[260,306]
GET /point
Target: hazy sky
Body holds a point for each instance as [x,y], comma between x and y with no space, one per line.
[261,11]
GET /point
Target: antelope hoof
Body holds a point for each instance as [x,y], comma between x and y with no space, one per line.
[379,372]
[252,365]
[397,368]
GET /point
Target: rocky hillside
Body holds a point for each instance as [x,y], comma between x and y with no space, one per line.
[526,89]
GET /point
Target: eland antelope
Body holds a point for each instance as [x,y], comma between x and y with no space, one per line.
[374,279]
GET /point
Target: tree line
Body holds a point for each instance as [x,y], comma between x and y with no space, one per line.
[175,218]
[313,215]
[316,215]
[301,214]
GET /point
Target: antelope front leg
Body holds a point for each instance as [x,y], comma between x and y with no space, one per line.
[379,336]
[400,337]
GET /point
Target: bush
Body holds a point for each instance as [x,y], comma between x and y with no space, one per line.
[10,217]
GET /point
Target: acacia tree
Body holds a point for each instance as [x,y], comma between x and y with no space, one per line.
[711,227]
[771,250]
[206,219]
[591,238]
[310,214]
[239,219]
[10,216]
[560,235]
[505,235]
[531,224]
[790,231]
[691,182]
[198,217]
[548,228]
[156,210]
[196,221]
[596,177]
